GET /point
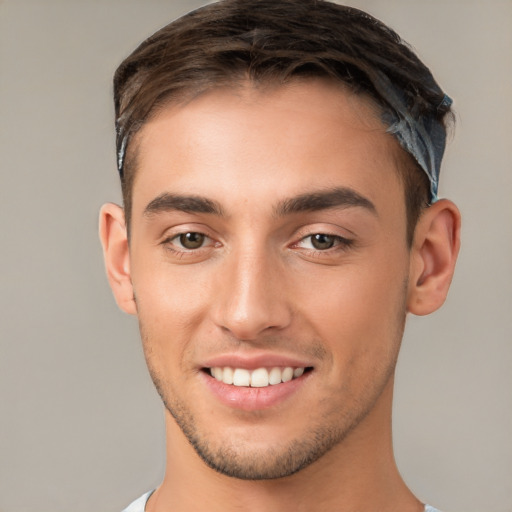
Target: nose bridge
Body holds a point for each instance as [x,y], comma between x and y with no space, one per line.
[252,294]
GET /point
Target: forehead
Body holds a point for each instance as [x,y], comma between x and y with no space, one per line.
[271,141]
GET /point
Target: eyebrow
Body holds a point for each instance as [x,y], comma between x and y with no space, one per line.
[189,204]
[339,197]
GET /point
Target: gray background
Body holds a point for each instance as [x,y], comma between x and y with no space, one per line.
[81,428]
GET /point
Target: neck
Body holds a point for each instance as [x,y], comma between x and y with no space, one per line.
[358,474]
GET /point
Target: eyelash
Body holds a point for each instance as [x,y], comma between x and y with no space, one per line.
[340,244]
[169,244]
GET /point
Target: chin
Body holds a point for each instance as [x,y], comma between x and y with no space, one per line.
[248,453]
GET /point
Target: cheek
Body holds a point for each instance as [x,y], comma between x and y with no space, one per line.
[168,293]
[358,309]
[170,306]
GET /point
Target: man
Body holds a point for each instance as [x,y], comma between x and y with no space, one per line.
[279,163]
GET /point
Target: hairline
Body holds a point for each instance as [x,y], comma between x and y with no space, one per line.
[405,164]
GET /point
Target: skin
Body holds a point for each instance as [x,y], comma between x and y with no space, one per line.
[257,286]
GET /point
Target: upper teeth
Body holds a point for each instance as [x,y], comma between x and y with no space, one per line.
[259,378]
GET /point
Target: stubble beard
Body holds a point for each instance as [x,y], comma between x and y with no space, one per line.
[237,461]
[233,457]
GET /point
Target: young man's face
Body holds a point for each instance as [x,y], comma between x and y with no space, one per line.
[269,231]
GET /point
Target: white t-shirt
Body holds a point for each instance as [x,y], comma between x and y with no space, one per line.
[140,504]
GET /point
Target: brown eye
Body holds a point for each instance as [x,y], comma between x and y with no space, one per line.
[321,241]
[192,240]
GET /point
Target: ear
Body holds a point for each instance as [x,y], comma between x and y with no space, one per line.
[114,239]
[433,255]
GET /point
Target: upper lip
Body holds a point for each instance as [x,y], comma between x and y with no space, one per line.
[254,361]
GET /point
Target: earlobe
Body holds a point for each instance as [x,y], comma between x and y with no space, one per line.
[433,257]
[114,239]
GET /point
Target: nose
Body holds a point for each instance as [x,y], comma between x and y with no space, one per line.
[252,297]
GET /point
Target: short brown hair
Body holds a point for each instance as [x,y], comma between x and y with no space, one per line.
[272,41]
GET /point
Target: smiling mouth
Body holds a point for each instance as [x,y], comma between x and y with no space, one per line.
[258,378]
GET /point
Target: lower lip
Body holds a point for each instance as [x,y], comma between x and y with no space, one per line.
[253,399]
